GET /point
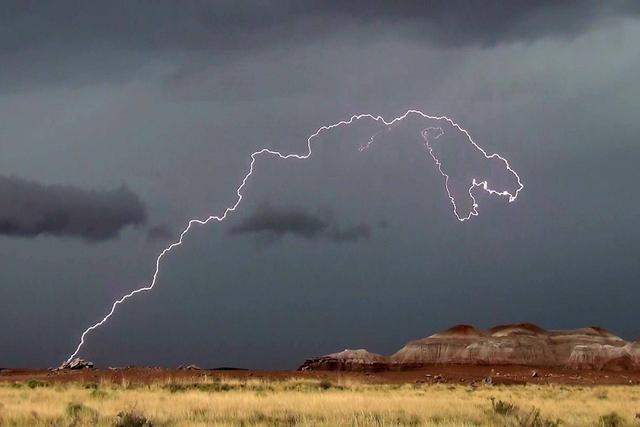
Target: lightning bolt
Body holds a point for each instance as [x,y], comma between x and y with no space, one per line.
[265,152]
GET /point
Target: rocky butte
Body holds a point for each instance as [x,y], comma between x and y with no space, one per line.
[519,344]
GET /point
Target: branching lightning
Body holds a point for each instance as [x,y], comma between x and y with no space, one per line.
[265,152]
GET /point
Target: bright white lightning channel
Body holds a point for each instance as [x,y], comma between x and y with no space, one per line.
[265,152]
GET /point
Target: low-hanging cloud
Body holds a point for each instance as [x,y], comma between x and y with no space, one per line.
[349,234]
[30,209]
[226,25]
[278,222]
[159,232]
[88,42]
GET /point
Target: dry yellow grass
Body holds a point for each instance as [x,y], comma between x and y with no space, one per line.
[313,403]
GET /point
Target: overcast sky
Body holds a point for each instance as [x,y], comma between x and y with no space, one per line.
[123,120]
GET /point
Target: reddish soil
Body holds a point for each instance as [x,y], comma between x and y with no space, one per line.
[449,374]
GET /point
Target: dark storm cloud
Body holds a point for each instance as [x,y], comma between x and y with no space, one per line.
[30,209]
[349,234]
[223,26]
[277,222]
[73,43]
[159,232]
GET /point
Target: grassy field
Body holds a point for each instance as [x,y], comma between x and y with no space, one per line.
[313,403]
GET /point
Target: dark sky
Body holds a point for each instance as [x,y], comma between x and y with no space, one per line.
[121,121]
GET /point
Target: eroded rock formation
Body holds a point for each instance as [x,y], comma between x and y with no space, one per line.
[76,363]
[519,344]
[347,360]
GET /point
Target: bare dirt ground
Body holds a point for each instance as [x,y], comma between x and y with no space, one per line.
[452,374]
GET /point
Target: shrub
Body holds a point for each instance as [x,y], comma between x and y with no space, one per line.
[198,414]
[131,418]
[73,409]
[533,419]
[98,394]
[326,385]
[502,407]
[408,420]
[611,420]
[260,418]
[174,388]
[80,414]
[207,387]
[38,383]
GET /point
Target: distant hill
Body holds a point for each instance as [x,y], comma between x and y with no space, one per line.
[517,344]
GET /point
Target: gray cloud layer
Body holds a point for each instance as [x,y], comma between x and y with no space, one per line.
[277,222]
[73,42]
[159,232]
[30,209]
[349,234]
[228,25]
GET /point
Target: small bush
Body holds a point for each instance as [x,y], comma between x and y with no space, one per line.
[80,414]
[602,394]
[38,383]
[260,418]
[611,420]
[208,387]
[73,409]
[98,394]
[436,420]
[408,420]
[325,385]
[502,407]
[198,414]
[533,419]
[131,418]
